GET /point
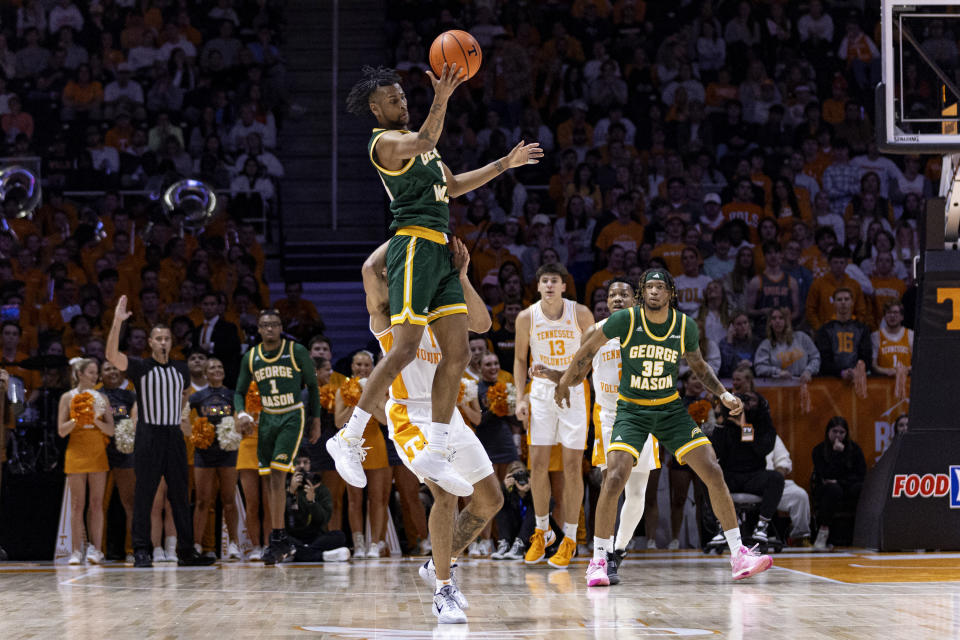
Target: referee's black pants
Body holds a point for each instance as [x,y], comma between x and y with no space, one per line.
[159,451]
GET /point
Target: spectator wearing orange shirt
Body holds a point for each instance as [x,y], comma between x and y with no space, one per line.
[861,55]
[614,269]
[56,313]
[16,121]
[489,259]
[120,134]
[671,249]
[744,208]
[82,96]
[576,122]
[298,315]
[820,303]
[887,287]
[624,231]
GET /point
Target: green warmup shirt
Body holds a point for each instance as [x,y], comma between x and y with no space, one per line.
[279,376]
[651,353]
[417,190]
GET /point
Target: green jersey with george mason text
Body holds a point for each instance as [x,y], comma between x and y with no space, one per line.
[651,353]
[279,376]
[417,190]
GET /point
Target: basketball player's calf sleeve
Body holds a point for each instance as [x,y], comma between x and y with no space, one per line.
[632,510]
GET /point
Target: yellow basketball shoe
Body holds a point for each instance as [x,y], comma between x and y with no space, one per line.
[561,559]
[539,542]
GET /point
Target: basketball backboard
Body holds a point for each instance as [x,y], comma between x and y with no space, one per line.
[917,100]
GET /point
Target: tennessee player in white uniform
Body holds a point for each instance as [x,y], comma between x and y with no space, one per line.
[550,329]
[408,410]
[621,294]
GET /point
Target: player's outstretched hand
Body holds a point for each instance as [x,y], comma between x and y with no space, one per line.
[733,403]
[524,154]
[461,257]
[450,78]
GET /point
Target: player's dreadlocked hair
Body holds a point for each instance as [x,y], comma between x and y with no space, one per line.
[663,275]
[358,101]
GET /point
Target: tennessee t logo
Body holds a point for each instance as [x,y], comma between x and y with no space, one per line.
[952,294]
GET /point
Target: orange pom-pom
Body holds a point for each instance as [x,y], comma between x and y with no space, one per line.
[251,402]
[462,392]
[350,391]
[203,433]
[82,411]
[328,396]
[700,411]
[497,399]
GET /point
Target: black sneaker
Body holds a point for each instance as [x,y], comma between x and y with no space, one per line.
[760,534]
[142,559]
[279,549]
[190,558]
[613,565]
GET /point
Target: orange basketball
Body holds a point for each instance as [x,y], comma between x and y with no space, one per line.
[458,47]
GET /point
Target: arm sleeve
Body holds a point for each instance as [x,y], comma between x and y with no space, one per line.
[618,325]
[309,373]
[243,383]
[691,337]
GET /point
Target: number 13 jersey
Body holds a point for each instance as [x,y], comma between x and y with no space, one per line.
[553,343]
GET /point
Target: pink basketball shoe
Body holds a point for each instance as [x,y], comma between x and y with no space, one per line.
[597,574]
[749,562]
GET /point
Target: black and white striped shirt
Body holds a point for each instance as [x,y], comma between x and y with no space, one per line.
[159,389]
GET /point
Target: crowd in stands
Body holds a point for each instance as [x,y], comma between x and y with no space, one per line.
[730,143]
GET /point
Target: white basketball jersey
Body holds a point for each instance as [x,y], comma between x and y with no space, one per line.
[415,382]
[606,372]
[553,343]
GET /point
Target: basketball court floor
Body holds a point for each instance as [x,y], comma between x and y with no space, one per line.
[845,594]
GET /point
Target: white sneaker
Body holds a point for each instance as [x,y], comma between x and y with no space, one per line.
[159,555]
[445,606]
[128,559]
[76,557]
[429,574]
[651,543]
[822,536]
[473,549]
[94,555]
[256,554]
[502,547]
[674,545]
[375,550]
[516,551]
[486,547]
[233,552]
[437,468]
[170,548]
[340,554]
[348,455]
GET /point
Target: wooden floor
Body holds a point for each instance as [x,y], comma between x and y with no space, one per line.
[822,596]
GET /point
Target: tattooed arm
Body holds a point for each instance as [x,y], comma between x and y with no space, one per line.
[521,154]
[590,343]
[708,377]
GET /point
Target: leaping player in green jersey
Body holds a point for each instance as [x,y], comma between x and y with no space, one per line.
[654,335]
[424,286]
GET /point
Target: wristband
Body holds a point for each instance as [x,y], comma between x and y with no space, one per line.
[727,397]
[244,414]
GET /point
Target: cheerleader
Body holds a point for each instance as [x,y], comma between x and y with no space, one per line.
[254,488]
[84,415]
[376,466]
[123,403]
[213,463]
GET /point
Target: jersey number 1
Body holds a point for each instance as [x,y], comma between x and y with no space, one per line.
[273,387]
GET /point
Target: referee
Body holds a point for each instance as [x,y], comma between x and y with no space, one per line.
[159,450]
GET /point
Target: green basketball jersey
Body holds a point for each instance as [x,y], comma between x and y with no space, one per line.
[651,353]
[417,191]
[279,374]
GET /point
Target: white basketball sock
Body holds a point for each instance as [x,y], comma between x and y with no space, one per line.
[356,424]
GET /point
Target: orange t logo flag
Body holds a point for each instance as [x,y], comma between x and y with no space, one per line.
[952,294]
